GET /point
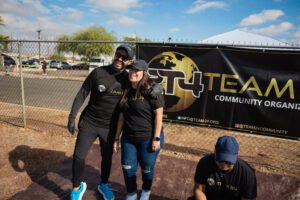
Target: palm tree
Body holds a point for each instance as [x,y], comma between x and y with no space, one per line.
[3,45]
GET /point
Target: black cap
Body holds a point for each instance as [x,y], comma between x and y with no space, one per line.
[127,49]
[140,65]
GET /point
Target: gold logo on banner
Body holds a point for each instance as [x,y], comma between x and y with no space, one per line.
[180,77]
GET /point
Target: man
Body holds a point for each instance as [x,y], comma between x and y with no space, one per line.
[223,176]
[98,119]
[44,66]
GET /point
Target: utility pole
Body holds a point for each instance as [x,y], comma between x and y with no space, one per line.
[39,37]
[11,45]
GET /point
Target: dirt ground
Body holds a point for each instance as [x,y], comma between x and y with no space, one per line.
[46,130]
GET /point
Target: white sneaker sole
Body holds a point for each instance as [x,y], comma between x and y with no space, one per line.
[83,191]
[133,197]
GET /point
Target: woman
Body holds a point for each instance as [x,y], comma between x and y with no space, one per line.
[141,125]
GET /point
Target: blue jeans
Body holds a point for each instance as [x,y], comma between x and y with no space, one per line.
[138,151]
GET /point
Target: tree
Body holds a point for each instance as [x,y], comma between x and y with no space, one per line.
[134,39]
[57,57]
[3,45]
[66,47]
[3,37]
[88,49]
[1,21]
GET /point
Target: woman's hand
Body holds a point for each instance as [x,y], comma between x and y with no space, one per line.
[117,146]
[155,145]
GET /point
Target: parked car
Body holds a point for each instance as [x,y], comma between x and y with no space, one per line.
[8,61]
[32,63]
[60,65]
[66,65]
[95,61]
[55,64]
[51,63]
[100,61]
[81,66]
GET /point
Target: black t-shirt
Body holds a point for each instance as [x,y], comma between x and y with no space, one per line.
[139,115]
[105,85]
[233,185]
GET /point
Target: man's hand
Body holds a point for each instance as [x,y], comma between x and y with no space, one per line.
[156,91]
[71,125]
[117,146]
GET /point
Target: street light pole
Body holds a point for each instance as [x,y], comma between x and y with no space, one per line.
[39,37]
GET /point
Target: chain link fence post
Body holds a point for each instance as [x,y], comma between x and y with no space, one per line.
[22,84]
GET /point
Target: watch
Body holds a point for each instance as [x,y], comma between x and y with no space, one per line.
[156,138]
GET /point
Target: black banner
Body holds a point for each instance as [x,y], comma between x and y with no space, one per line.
[255,91]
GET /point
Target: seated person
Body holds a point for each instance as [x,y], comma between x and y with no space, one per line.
[223,176]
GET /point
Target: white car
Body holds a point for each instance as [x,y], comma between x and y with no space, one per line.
[96,62]
[60,65]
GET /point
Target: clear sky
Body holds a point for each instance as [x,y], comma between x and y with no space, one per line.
[182,20]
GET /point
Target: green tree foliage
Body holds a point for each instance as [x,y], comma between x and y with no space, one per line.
[57,57]
[134,39]
[88,49]
[65,47]
[4,37]
[1,21]
[3,45]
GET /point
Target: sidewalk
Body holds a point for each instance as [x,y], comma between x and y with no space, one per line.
[51,74]
[173,180]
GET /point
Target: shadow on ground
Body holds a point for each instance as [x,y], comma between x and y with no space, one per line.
[173,177]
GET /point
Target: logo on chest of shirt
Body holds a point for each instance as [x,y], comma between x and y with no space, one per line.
[117,92]
[101,88]
[134,98]
[211,182]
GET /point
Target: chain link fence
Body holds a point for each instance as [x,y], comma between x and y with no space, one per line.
[41,99]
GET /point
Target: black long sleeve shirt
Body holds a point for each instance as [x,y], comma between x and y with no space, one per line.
[106,85]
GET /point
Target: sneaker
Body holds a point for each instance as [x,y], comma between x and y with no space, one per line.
[77,194]
[145,195]
[131,196]
[106,192]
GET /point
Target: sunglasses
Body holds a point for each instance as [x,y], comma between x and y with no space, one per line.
[119,55]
